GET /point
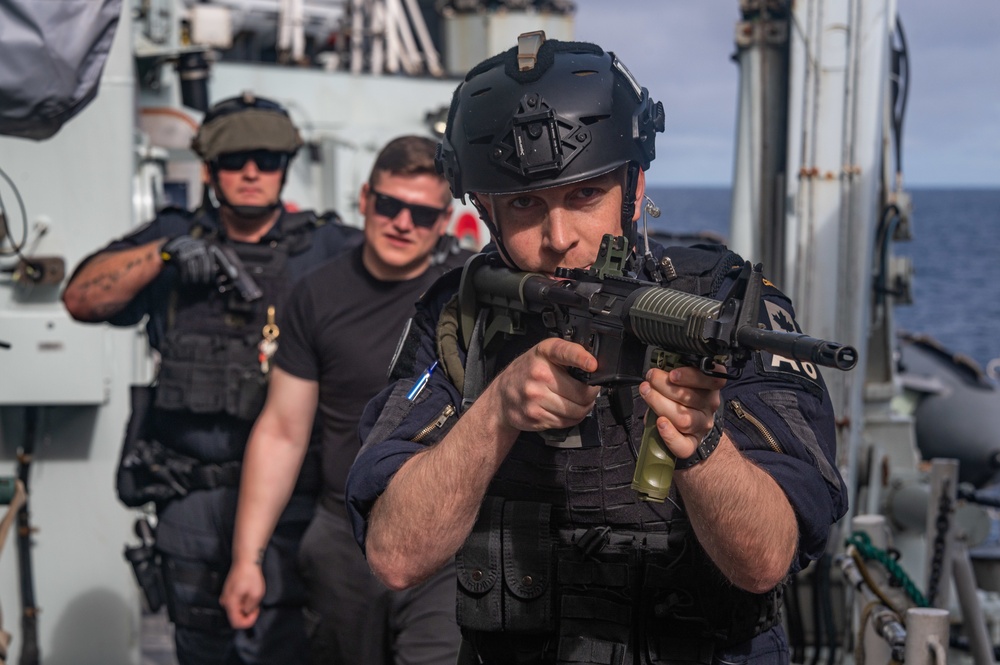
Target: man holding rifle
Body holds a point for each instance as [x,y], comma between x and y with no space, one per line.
[500,455]
[212,284]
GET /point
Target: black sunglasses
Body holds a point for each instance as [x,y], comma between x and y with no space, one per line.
[390,206]
[267,161]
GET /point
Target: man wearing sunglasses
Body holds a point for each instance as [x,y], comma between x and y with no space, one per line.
[338,338]
[215,332]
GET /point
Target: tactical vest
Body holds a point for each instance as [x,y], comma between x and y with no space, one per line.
[210,357]
[566,564]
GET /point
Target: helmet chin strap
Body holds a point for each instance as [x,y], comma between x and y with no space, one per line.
[630,182]
[494,232]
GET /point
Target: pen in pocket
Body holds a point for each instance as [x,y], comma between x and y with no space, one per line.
[421,382]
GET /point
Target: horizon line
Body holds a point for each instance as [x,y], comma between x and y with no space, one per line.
[728,185]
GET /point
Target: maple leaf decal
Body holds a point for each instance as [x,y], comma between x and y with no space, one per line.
[783,322]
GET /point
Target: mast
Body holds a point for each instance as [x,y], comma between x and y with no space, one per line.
[818,197]
[760,163]
[810,186]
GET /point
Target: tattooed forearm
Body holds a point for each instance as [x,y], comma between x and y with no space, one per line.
[109,281]
[105,277]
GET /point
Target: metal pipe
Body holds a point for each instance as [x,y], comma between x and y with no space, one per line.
[420,27]
[406,45]
[884,635]
[875,527]
[357,36]
[968,599]
[926,632]
[381,58]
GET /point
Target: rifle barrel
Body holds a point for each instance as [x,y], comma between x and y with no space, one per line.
[797,346]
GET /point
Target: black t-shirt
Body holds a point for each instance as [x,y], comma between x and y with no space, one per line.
[340,329]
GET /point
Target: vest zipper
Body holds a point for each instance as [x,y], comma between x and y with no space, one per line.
[447,412]
[743,414]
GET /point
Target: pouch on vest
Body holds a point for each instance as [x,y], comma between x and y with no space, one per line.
[206,375]
[246,392]
[505,569]
[528,552]
[687,606]
[596,579]
[673,610]
[480,606]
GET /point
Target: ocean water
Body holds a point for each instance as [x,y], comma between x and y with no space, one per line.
[955,252]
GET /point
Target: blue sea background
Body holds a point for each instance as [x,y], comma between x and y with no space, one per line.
[955,252]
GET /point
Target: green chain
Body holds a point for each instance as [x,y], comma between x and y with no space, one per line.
[863,543]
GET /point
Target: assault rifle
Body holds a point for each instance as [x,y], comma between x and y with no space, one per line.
[629,325]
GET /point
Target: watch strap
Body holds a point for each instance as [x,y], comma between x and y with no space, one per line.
[704,449]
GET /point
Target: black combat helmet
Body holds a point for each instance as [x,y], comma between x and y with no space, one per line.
[245,124]
[548,113]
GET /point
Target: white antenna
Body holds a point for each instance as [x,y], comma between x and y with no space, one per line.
[420,26]
[357,30]
[291,29]
[397,38]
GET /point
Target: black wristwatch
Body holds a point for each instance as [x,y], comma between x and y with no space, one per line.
[704,449]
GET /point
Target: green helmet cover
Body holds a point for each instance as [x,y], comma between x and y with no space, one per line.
[245,123]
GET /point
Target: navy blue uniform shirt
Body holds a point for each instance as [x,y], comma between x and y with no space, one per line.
[789,398]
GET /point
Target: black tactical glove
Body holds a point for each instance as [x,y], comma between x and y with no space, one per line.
[193,258]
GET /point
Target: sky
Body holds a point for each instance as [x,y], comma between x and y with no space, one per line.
[680,50]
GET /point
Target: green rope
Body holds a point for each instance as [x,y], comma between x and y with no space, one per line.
[863,543]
